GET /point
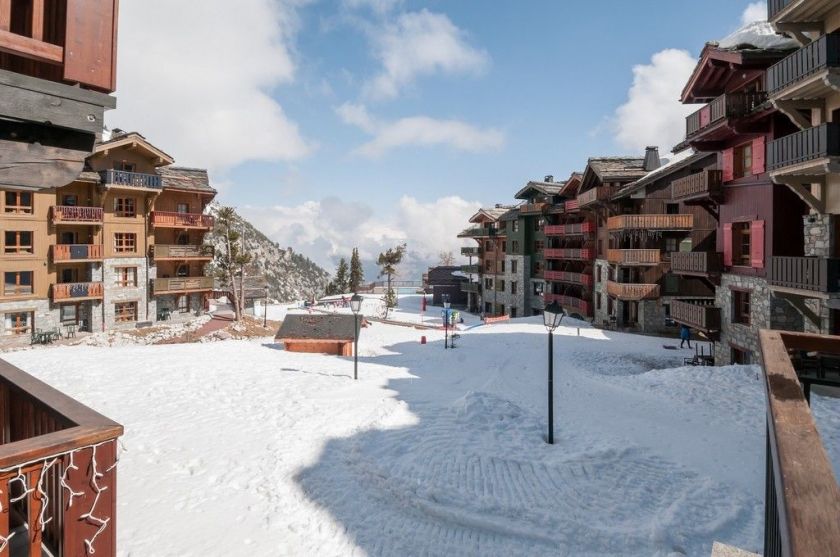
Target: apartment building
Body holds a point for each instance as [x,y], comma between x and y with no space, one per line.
[487,286]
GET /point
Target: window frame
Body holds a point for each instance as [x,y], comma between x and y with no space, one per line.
[741,307]
[17,330]
[125,240]
[125,207]
[125,276]
[63,320]
[125,312]
[17,293]
[17,247]
[18,208]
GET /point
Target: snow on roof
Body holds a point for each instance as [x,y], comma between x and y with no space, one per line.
[669,165]
[759,35]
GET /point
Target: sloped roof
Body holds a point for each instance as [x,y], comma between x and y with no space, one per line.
[758,35]
[445,274]
[610,169]
[539,186]
[305,326]
[491,213]
[133,140]
[674,164]
[188,179]
[510,214]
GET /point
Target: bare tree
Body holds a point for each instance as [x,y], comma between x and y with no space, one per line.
[234,260]
[447,258]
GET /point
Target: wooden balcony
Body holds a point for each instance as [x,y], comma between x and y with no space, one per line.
[51,448]
[571,304]
[799,11]
[584,279]
[164,252]
[634,257]
[815,275]
[802,498]
[77,253]
[571,206]
[532,208]
[64,214]
[472,287]
[77,291]
[707,184]
[805,69]
[165,219]
[732,105]
[628,291]
[595,195]
[650,222]
[471,251]
[582,254]
[570,229]
[471,269]
[703,317]
[696,263]
[478,232]
[808,151]
[130,180]
[181,285]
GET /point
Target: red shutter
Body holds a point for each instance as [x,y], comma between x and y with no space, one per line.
[757,244]
[91,43]
[727,245]
[728,165]
[758,150]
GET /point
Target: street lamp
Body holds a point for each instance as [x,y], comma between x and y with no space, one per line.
[355,307]
[445,321]
[552,316]
[265,308]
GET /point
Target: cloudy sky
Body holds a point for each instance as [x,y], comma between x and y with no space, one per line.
[340,123]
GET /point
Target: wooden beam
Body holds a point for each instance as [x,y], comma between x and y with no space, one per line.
[38,20]
[797,185]
[5,15]
[30,48]
[799,305]
[791,110]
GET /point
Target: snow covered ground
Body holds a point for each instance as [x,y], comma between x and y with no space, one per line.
[241,448]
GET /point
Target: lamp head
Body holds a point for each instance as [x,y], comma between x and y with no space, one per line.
[552,316]
[356,303]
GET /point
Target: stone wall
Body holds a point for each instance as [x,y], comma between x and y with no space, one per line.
[170,301]
[602,314]
[735,334]
[146,307]
[44,317]
[819,234]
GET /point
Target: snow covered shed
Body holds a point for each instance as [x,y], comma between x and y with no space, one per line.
[318,333]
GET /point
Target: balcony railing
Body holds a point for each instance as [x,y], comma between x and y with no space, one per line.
[802,498]
[77,252]
[569,229]
[162,251]
[732,105]
[472,287]
[164,219]
[699,263]
[478,232]
[585,254]
[131,179]
[812,144]
[814,274]
[704,317]
[819,55]
[628,291]
[702,185]
[471,269]
[651,222]
[531,208]
[66,214]
[571,304]
[51,445]
[471,251]
[584,279]
[77,291]
[594,195]
[571,206]
[633,256]
[776,6]
[181,284]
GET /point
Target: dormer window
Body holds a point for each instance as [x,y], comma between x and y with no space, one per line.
[125,166]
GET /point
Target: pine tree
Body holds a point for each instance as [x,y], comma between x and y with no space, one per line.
[388,262]
[357,275]
[340,281]
[234,259]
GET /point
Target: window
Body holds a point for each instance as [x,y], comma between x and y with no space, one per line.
[18,323]
[514,244]
[514,266]
[125,242]
[672,208]
[125,166]
[18,202]
[501,287]
[741,307]
[69,314]
[182,271]
[671,245]
[597,300]
[488,309]
[672,284]
[513,287]
[513,312]
[503,265]
[488,246]
[68,276]
[504,246]
[741,356]
[538,288]
[516,226]
[488,284]
[18,242]
[70,200]
[538,224]
[183,303]
[125,276]
[125,312]
[539,245]
[741,244]
[537,268]
[743,161]
[125,207]
[598,277]
[68,237]
[488,266]
[182,208]
[17,283]
[501,309]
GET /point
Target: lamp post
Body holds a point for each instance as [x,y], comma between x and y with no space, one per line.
[552,316]
[355,307]
[265,308]
[445,321]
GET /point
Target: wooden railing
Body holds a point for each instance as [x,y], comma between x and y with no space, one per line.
[569,253]
[593,195]
[472,287]
[77,291]
[571,206]
[701,263]
[164,251]
[565,276]
[73,214]
[704,184]
[651,222]
[570,303]
[776,6]
[167,219]
[473,251]
[531,208]
[819,55]
[701,316]
[181,284]
[77,252]
[731,105]
[628,291]
[132,179]
[471,269]
[816,274]
[51,447]
[802,498]
[569,229]
[814,143]
[633,256]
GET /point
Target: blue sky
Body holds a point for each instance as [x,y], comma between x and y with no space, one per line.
[369,122]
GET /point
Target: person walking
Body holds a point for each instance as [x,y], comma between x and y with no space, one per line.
[685,336]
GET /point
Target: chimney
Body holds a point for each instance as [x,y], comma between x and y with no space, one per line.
[549,178]
[652,161]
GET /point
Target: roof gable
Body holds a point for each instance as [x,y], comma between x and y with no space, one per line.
[133,141]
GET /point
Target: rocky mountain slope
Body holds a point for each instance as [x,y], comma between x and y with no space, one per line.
[291,276]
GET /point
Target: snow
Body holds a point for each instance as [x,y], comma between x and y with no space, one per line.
[242,448]
[757,35]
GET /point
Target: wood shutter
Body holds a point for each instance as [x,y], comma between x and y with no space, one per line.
[757,244]
[728,165]
[758,150]
[91,43]
[727,244]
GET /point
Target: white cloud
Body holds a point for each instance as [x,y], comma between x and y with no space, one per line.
[378,6]
[419,131]
[420,44]
[328,229]
[197,79]
[653,114]
[756,11]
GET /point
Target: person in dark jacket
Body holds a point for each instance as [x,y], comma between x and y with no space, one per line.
[685,336]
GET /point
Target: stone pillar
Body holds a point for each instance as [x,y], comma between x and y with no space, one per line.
[819,235]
